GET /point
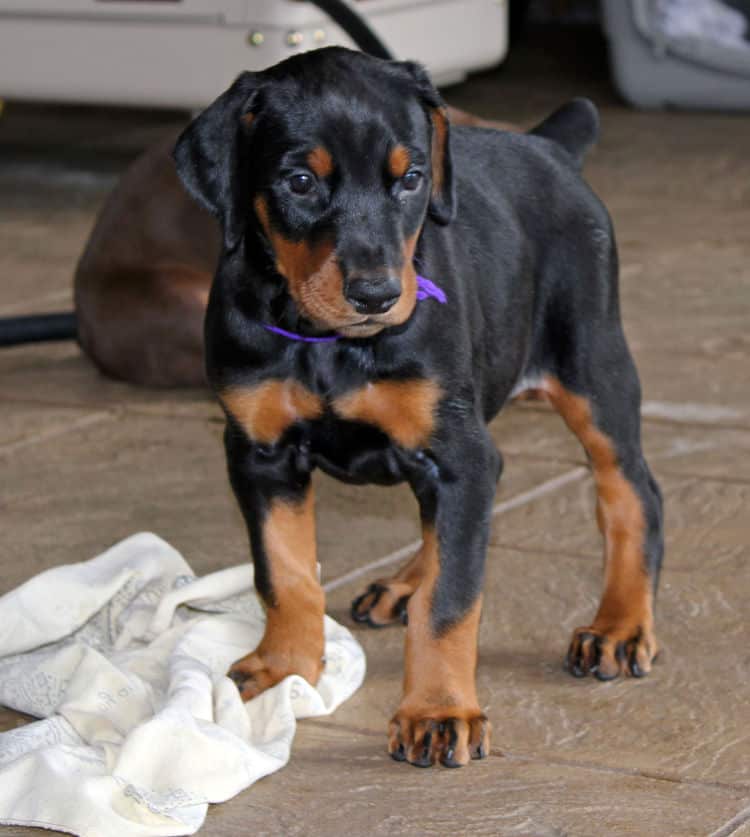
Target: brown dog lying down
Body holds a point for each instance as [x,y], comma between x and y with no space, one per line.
[141,285]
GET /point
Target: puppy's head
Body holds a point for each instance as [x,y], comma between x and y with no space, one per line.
[334,159]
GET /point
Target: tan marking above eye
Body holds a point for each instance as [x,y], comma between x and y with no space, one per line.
[398,161]
[320,161]
[403,410]
[267,410]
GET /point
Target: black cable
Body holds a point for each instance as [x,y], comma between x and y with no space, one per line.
[355,26]
[40,327]
[37,328]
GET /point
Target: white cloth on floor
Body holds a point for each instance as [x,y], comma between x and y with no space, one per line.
[125,659]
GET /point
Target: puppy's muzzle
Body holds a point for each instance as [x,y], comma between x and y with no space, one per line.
[373,294]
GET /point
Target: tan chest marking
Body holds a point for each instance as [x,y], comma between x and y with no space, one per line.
[404,410]
[267,410]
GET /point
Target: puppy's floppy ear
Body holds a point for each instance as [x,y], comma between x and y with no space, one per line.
[208,159]
[443,199]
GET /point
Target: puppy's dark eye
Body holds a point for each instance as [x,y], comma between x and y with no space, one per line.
[411,180]
[300,184]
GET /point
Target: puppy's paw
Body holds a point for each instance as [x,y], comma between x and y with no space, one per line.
[607,653]
[448,735]
[383,603]
[256,672]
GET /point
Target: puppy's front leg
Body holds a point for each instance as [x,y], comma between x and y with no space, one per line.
[275,495]
[439,718]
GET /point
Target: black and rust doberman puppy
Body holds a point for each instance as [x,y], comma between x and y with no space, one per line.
[385,285]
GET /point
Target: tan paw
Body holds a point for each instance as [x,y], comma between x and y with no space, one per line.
[607,653]
[447,735]
[257,672]
[383,603]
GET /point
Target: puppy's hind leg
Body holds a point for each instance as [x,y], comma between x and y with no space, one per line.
[385,600]
[602,408]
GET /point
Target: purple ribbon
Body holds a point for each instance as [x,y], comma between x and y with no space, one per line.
[301,337]
[425,289]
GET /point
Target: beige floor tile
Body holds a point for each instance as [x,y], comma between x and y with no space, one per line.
[58,374]
[23,424]
[710,381]
[38,253]
[73,496]
[341,782]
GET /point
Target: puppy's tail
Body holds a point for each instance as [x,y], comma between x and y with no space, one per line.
[574,126]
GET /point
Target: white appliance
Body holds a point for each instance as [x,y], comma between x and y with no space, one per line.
[182,53]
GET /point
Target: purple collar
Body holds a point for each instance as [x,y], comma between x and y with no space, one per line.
[425,290]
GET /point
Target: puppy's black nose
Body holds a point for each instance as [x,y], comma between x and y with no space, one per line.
[373,295]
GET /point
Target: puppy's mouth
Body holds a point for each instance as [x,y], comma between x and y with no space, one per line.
[364,328]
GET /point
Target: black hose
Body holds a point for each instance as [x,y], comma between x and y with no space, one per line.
[41,327]
[37,328]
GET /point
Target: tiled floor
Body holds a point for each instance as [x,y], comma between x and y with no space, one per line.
[86,461]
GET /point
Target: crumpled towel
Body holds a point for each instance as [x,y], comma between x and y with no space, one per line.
[125,658]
